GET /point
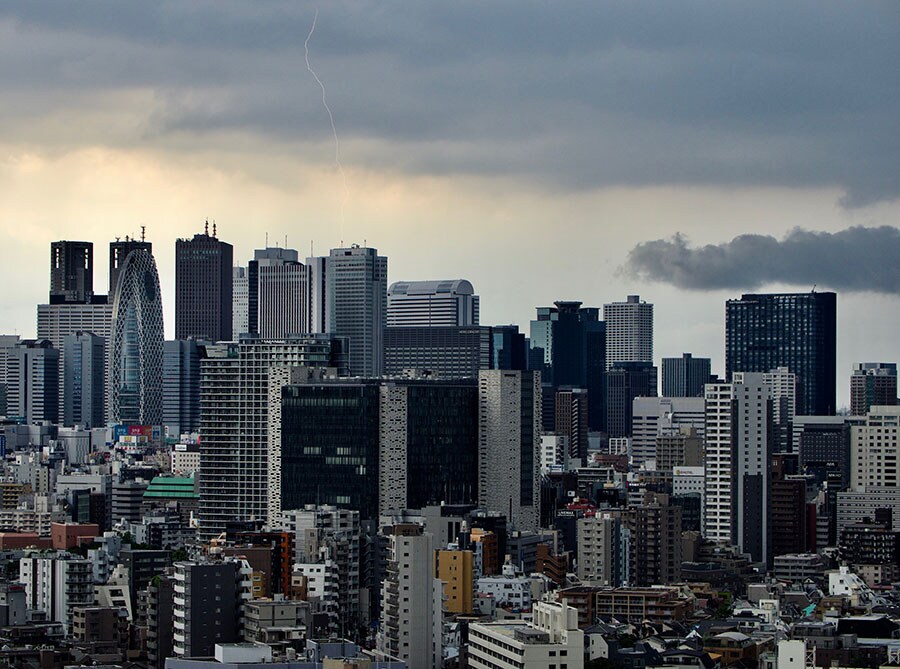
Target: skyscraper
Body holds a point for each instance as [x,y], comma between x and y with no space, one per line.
[32,380]
[432,303]
[685,376]
[449,351]
[84,380]
[795,330]
[118,252]
[136,343]
[629,331]
[240,322]
[509,439]
[356,298]
[624,382]
[508,348]
[181,386]
[71,272]
[203,287]
[277,294]
[872,384]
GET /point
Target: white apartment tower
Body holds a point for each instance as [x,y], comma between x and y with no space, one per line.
[432,303]
[629,331]
[509,445]
[875,451]
[738,431]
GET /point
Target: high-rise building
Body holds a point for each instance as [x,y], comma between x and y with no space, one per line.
[783,386]
[568,348]
[277,294]
[655,546]
[629,331]
[872,384]
[603,549]
[240,302]
[624,382]
[875,450]
[411,612]
[203,287]
[234,420]
[509,440]
[508,348]
[572,407]
[797,331]
[71,272]
[6,342]
[136,343]
[823,446]
[685,376]
[84,380]
[32,381]
[736,496]
[655,416]
[432,303]
[118,252]
[356,299]
[448,351]
[57,583]
[181,386]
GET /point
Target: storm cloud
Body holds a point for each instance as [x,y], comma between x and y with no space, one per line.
[858,259]
[570,97]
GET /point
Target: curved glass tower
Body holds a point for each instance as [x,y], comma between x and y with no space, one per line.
[136,353]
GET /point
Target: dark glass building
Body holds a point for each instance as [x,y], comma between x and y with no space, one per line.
[203,288]
[450,351]
[795,330]
[71,272]
[508,348]
[118,252]
[568,347]
[685,376]
[624,382]
[378,445]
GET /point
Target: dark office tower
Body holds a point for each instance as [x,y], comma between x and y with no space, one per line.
[181,386]
[32,380]
[572,420]
[118,252]
[203,288]
[872,384]
[797,331]
[136,345]
[84,380]
[71,272]
[824,450]
[451,352]
[508,348]
[624,382]
[568,347]
[685,376]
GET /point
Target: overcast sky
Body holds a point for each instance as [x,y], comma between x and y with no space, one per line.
[542,150]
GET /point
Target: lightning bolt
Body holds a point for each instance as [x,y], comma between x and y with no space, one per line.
[337,147]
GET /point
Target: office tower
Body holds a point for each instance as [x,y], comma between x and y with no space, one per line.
[277,294]
[509,436]
[603,549]
[234,420]
[508,348]
[572,406]
[655,416]
[783,386]
[797,331]
[181,386]
[568,348]
[71,272]
[432,303]
[356,299]
[240,302]
[872,384]
[736,496]
[317,289]
[629,331]
[447,351]
[32,381]
[57,583]
[6,342]
[685,376]
[84,379]
[411,617]
[203,287]
[136,343]
[875,450]
[118,252]
[824,448]
[374,445]
[624,382]
[788,509]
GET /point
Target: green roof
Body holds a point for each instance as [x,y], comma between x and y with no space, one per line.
[169,487]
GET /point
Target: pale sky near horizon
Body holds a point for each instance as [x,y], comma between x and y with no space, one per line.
[528,148]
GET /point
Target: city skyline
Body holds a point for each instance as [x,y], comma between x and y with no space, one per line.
[631,126]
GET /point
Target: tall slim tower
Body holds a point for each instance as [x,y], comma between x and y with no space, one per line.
[794,330]
[71,272]
[629,331]
[85,380]
[203,287]
[277,294]
[356,299]
[136,347]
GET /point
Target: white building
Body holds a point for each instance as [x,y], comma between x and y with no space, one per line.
[240,302]
[551,640]
[602,550]
[432,303]
[629,331]
[510,589]
[281,293]
[875,450]
[509,434]
[56,583]
[653,416]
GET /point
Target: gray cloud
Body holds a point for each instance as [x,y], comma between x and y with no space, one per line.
[857,259]
[573,96]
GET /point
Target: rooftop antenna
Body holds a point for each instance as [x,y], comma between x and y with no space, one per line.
[814,287]
[214,228]
[206,228]
[285,241]
[143,232]
[267,239]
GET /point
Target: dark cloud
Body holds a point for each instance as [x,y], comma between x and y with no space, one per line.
[857,259]
[580,95]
